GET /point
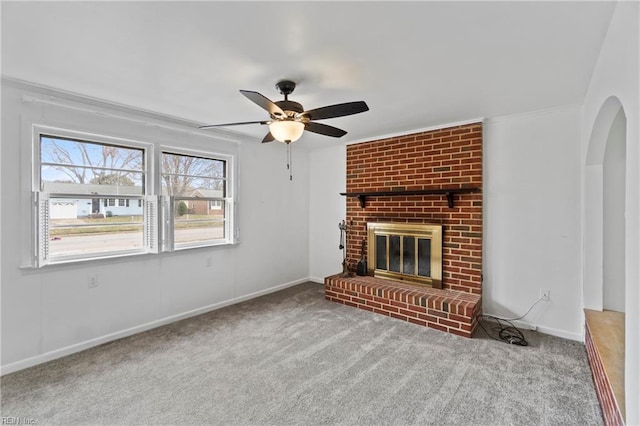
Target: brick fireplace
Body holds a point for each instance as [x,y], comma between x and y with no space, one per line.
[432,177]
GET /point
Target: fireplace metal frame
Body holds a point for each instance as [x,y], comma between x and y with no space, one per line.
[417,230]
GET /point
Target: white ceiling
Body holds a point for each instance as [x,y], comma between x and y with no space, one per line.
[416,64]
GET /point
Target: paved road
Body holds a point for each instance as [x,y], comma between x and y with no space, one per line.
[90,244]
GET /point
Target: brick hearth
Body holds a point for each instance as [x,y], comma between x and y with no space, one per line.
[445,310]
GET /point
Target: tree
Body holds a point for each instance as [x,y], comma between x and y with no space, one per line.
[84,162]
[89,162]
[182,208]
[182,173]
[112,179]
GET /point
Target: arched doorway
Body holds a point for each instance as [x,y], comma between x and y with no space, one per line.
[604,255]
[604,238]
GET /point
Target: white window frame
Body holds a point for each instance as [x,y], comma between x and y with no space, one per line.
[158,210]
[168,203]
[42,256]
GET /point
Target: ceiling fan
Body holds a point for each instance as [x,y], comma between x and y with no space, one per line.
[288,119]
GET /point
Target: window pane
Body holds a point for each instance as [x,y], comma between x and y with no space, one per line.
[198,186]
[68,151]
[196,222]
[92,185]
[67,165]
[189,176]
[78,227]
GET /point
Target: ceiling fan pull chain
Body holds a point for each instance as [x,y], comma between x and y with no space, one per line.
[289,165]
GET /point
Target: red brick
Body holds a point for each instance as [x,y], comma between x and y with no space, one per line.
[417,321]
[460,332]
[450,324]
[398,304]
[428,318]
[408,313]
[437,313]
[420,309]
[397,316]
[437,327]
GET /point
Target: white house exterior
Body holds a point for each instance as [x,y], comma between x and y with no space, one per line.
[113,200]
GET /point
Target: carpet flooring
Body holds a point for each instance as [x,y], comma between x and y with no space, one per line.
[292,357]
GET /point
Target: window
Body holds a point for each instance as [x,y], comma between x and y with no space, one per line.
[76,219]
[195,203]
[98,197]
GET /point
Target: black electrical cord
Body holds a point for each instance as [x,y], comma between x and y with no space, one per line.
[509,334]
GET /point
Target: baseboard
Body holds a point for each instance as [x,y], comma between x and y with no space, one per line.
[78,347]
[316,280]
[579,337]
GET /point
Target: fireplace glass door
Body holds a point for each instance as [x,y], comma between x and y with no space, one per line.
[406,252]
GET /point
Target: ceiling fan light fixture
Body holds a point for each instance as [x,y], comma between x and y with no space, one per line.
[286,130]
[288,119]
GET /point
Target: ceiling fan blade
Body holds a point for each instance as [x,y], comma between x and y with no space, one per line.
[268,138]
[323,129]
[263,102]
[338,110]
[232,124]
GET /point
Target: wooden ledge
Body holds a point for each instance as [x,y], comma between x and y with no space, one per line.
[607,332]
[449,192]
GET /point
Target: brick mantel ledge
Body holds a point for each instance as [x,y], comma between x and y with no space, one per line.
[445,310]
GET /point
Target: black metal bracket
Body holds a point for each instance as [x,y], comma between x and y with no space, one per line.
[450,199]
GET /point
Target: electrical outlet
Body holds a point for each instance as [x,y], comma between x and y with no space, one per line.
[93,281]
[545,294]
[209,262]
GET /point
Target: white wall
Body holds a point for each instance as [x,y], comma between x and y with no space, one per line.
[274,215]
[532,219]
[49,312]
[328,168]
[616,74]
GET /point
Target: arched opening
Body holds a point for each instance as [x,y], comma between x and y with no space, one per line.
[604,206]
[604,253]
